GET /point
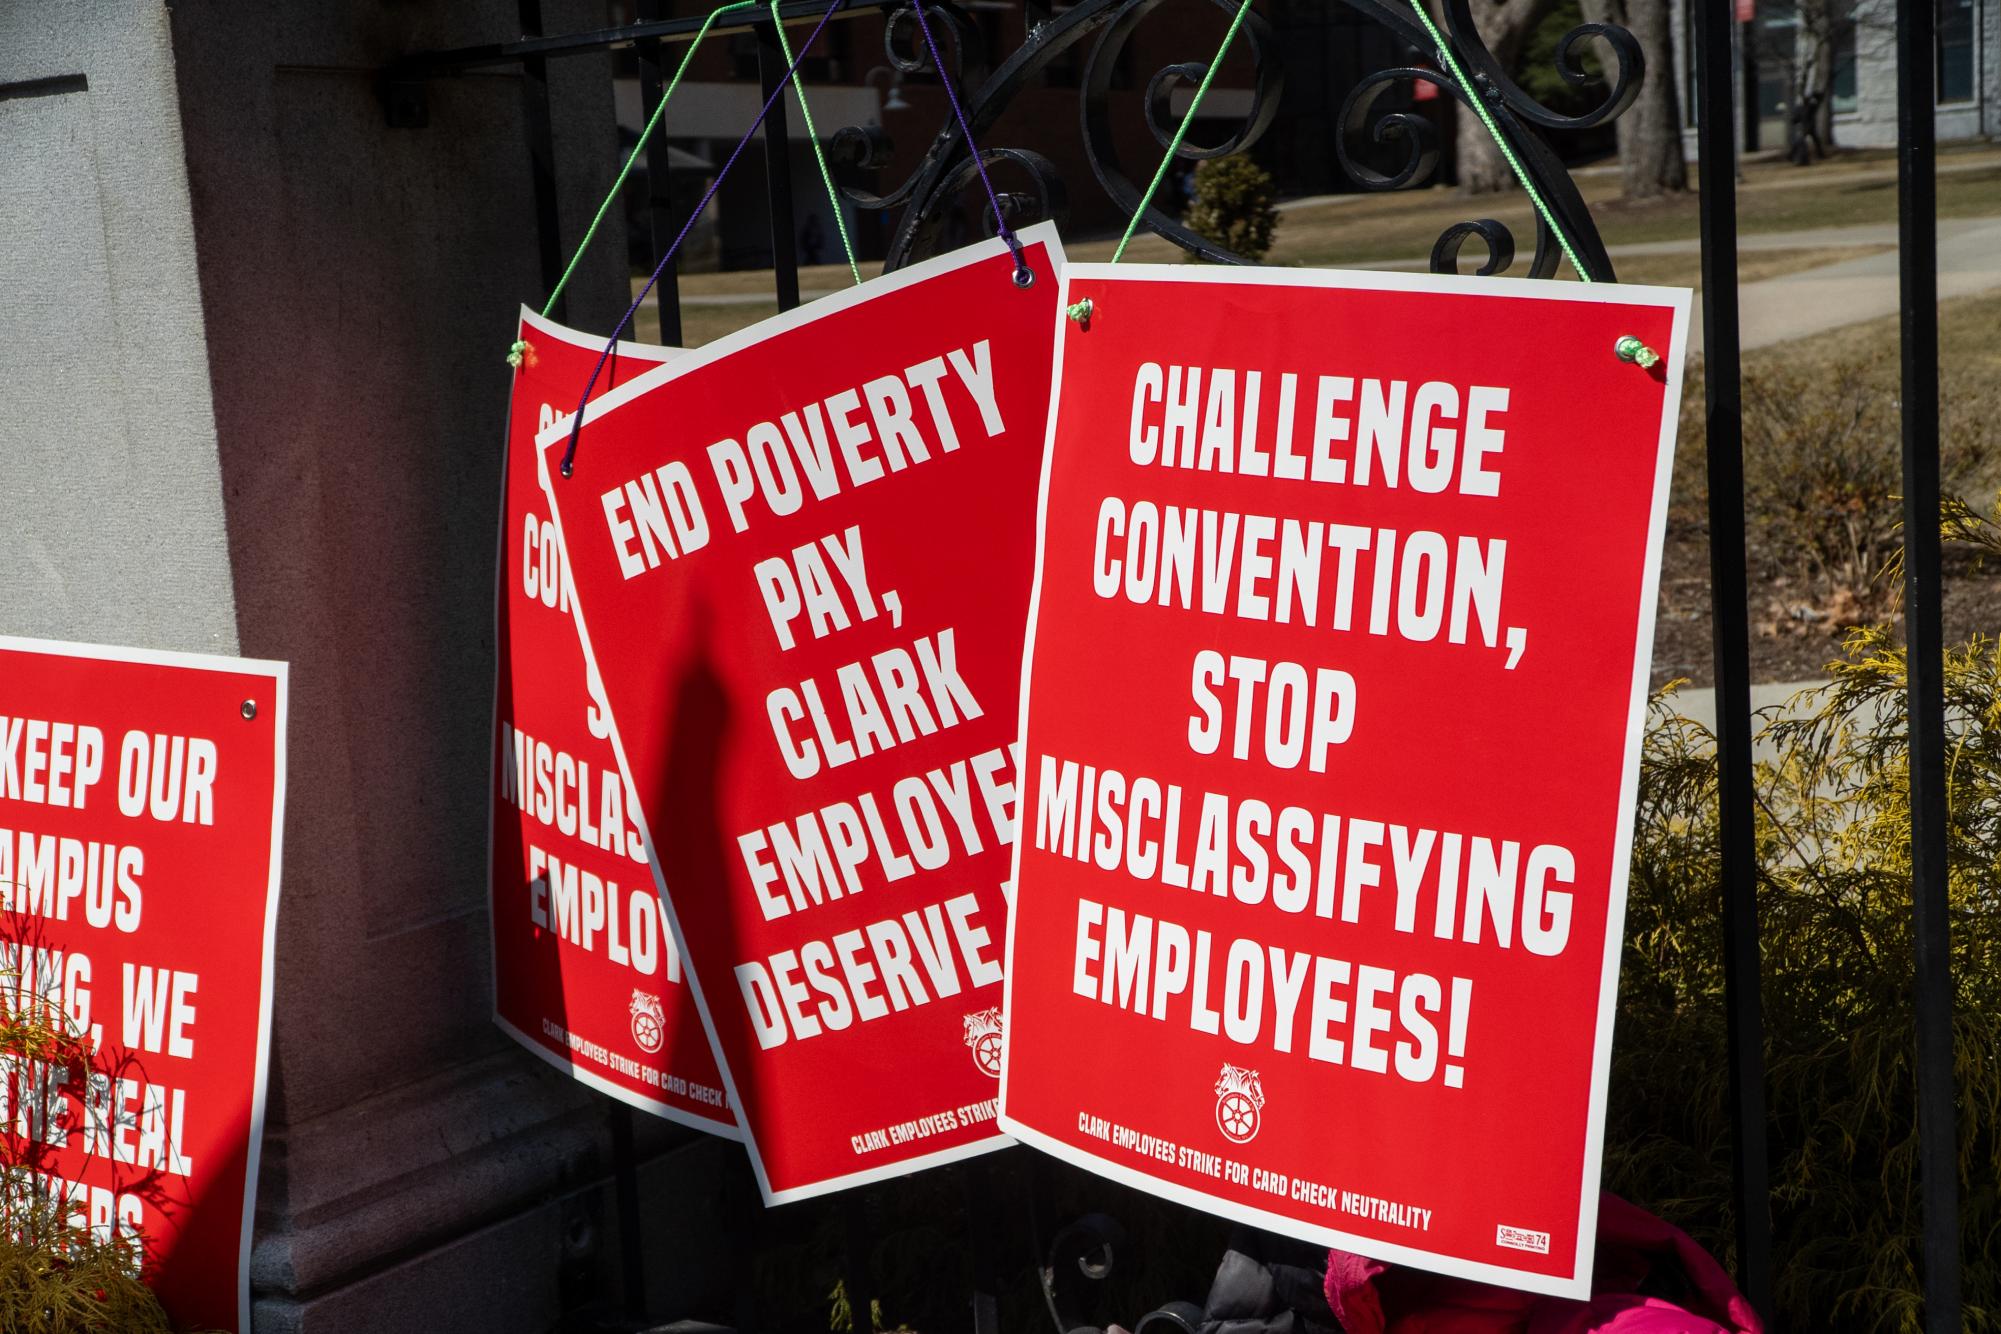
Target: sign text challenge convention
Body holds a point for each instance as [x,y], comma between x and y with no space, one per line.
[1477,887]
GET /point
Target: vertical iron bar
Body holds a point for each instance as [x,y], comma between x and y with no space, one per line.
[857,1244]
[1924,639]
[1748,48]
[659,193]
[771,67]
[625,1183]
[1730,617]
[541,154]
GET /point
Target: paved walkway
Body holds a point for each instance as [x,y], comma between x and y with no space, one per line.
[1797,305]
[1954,165]
[1699,703]
[1773,310]
[1850,291]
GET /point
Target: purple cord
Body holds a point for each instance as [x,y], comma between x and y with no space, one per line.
[1021,269]
[611,344]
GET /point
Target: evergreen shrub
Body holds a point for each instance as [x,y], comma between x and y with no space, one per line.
[1833,833]
[1234,205]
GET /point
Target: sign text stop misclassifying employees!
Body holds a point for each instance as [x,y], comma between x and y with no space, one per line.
[1419,586]
[1298,559]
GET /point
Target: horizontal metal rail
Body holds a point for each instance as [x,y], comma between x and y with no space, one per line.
[629,34]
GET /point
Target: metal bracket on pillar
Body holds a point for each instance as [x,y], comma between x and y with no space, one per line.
[406,101]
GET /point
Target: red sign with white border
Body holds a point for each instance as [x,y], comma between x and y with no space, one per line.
[801,557]
[1332,706]
[585,972]
[142,801]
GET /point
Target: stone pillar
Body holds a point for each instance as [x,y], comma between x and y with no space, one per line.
[111,515]
[253,340]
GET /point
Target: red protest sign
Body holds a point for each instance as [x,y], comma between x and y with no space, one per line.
[1331,717]
[585,973]
[801,558]
[141,800]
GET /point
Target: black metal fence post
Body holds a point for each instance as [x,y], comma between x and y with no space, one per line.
[1730,617]
[625,1187]
[1924,639]
[659,194]
[1747,54]
[771,68]
[541,154]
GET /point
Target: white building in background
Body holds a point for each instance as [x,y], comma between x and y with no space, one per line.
[1862,49]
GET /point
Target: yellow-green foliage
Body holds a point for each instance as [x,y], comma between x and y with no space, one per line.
[62,1280]
[1234,205]
[56,1275]
[1833,837]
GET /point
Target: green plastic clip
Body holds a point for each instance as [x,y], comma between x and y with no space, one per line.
[1632,349]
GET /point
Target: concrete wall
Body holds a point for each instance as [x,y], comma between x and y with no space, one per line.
[112,523]
[251,340]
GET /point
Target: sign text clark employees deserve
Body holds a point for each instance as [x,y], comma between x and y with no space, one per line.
[801,562]
[1336,673]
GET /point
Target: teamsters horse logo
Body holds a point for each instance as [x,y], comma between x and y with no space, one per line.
[649,1021]
[983,1035]
[1239,1099]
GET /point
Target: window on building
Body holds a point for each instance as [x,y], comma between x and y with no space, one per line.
[1955,50]
[1776,48]
[1844,67]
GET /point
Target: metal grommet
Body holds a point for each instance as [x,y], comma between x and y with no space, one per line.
[1024,277]
[1631,349]
[249,709]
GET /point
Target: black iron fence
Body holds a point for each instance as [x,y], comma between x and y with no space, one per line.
[1383,142]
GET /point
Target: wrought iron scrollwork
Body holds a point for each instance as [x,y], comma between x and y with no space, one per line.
[1082,1256]
[1035,192]
[1267,87]
[947,168]
[1520,118]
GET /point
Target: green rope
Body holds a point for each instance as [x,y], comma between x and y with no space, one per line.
[1181,130]
[813,136]
[1472,91]
[645,137]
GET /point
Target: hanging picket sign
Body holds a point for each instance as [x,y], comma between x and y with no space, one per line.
[585,973]
[142,796]
[801,565]
[1331,712]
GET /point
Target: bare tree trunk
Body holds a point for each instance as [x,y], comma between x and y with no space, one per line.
[1504,25]
[1822,23]
[1650,157]
[1823,112]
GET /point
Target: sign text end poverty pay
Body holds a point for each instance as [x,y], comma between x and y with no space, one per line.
[823,529]
[809,454]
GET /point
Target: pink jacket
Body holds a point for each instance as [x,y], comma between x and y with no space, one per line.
[1635,1249]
